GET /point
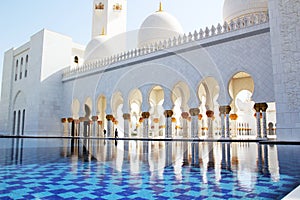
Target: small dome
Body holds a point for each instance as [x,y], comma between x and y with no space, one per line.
[233,9]
[158,26]
[97,49]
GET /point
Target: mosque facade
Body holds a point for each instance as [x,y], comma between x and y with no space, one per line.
[238,79]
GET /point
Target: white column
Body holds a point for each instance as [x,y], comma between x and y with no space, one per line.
[145,116]
[222,124]
[227,111]
[126,117]
[110,130]
[264,107]
[257,109]
[210,115]
[194,126]
[168,115]
[185,116]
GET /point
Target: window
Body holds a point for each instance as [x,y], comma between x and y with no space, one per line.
[21,68]
[26,65]
[76,59]
[23,121]
[18,123]
[14,123]
[16,72]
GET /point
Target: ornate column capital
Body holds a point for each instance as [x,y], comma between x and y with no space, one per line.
[233,117]
[257,107]
[145,115]
[194,111]
[126,116]
[210,113]
[168,113]
[64,120]
[94,118]
[109,117]
[227,109]
[184,115]
[263,107]
[222,109]
[81,119]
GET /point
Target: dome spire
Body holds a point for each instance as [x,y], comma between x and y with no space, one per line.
[160,9]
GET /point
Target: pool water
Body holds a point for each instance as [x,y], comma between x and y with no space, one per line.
[108,169]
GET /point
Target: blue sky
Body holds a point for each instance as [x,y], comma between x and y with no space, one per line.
[21,19]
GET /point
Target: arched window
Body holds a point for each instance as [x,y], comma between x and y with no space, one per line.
[23,122]
[14,123]
[16,72]
[26,65]
[76,59]
[21,68]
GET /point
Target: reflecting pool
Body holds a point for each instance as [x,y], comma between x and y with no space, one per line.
[131,169]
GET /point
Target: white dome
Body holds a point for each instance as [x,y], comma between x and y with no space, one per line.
[233,9]
[97,49]
[158,26]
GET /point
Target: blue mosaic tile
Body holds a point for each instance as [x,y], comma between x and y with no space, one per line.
[59,178]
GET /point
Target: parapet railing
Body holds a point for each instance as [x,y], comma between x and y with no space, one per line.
[237,24]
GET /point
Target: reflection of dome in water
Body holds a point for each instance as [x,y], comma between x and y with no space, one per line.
[158,26]
[233,9]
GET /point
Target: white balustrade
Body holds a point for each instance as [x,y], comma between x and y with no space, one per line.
[237,24]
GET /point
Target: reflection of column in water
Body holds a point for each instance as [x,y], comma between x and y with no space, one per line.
[185,153]
[145,151]
[195,154]
[126,149]
[228,156]
[109,150]
[211,162]
[223,163]
[273,163]
[86,152]
[266,158]
[259,158]
[168,149]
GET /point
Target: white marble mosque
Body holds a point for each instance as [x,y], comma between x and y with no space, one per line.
[238,79]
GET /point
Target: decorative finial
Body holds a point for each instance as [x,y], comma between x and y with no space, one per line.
[160,7]
[103,31]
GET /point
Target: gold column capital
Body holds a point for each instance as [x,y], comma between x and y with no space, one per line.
[81,119]
[263,107]
[126,116]
[168,113]
[210,113]
[257,107]
[94,118]
[145,115]
[194,111]
[109,117]
[184,115]
[227,109]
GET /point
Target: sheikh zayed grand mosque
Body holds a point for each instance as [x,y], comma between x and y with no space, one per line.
[238,79]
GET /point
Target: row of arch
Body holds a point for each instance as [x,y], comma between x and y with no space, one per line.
[156,99]
[19,72]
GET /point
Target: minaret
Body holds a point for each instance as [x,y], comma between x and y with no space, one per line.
[110,15]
